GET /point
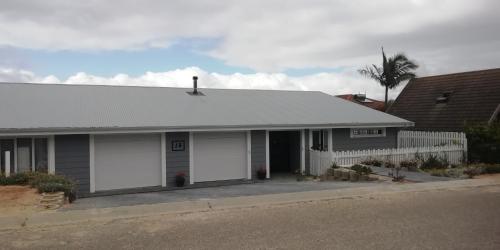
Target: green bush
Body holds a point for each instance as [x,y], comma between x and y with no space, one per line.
[372,162]
[15,179]
[50,187]
[491,169]
[411,165]
[43,182]
[483,141]
[361,170]
[389,164]
[334,165]
[434,162]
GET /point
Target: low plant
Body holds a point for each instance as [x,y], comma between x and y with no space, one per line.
[389,164]
[361,170]
[334,165]
[398,178]
[411,165]
[16,179]
[395,174]
[180,179]
[261,173]
[372,162]
[434,162]
[472,171]
[300,175]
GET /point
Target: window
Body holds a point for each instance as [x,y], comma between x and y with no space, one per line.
[367,132]
[41,155]
[31,154]
[320,140]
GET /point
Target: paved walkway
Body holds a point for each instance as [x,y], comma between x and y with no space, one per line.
[275,186]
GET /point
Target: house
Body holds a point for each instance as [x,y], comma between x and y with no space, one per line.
[448,102]
[363,100]
[122,139]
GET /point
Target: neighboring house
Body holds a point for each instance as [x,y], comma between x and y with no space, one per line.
[122,138]
[363,100]
[448,102]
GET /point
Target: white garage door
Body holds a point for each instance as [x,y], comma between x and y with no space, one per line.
[219,156]
[127,161]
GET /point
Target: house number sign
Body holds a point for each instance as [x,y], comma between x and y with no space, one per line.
[178,145]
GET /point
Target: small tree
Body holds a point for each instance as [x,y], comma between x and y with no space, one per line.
[394,71]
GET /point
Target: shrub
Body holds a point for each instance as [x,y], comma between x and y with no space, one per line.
[389,164]
[372,162]
[16,179]
[472,171]
[50,187]
[491,169]
[40,178]
[483,141]
[411,165]
[361,170]
[434,162]
[334,165]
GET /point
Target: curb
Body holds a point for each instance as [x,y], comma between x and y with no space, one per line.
[56,218]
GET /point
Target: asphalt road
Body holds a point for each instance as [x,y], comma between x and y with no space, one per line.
[446,219]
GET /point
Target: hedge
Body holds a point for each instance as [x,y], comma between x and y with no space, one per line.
[483,142]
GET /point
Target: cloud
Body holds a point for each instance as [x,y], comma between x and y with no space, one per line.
[333,83]
[269,36]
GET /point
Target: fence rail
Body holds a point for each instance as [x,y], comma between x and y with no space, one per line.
[320,161]
[410,139]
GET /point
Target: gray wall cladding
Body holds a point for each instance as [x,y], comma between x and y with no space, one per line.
[177,161]
[72,160]
[342,140]
[258,148]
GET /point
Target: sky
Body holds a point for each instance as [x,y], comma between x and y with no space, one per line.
[292,45]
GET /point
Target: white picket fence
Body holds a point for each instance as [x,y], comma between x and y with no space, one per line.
[320,161]
[410,139]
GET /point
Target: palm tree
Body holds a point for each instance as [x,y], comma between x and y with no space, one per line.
[394,71]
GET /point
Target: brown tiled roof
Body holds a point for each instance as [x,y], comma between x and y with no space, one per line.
[371,103]
[473,97]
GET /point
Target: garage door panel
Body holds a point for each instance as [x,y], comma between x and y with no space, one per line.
[127,161]
[219,156]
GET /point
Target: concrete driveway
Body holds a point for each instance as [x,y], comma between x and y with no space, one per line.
[279,184]
[274,186]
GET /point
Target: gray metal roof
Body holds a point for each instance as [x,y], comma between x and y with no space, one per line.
[58,107]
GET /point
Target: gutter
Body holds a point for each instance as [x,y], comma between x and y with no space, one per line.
[110,130]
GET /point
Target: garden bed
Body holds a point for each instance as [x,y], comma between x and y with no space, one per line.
[18,200]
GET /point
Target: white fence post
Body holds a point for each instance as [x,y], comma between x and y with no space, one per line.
[7,163]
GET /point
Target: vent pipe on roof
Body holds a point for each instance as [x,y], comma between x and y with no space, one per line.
[195,85]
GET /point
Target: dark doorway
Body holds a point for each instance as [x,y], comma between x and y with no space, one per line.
[284,151]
